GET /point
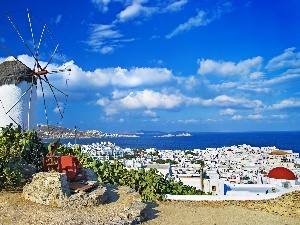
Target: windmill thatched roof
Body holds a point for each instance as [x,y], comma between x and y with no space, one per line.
[13,71]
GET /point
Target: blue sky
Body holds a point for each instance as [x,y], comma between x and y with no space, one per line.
[173,65]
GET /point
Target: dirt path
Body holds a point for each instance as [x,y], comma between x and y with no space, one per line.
[181,213]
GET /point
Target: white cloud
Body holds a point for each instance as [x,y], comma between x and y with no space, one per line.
[140,76]
[130,12]
[121,120]
[237,117]
[119,77]
[287,103]
[224,86]
[105,31]
[256,75]
[282,79]
[188,82]
[288,59]
[58,19]
[105,38]
[248,67]
[254,88]
[210,121]
[116,94]
[141,9]
[102,102]
[106,119]
[59,108]
[227,101]
[255,116]
[148,100]
[280,116]
[28,60]
[197,21]
[111,110]
[278,84]
[227,111]
[201,19]
[176,6]
[102,5]
[189,121]
[150,113]
[144,8]
[135,10]
[107,49]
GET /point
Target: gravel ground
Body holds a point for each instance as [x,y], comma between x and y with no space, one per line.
[194,213]
[14,209]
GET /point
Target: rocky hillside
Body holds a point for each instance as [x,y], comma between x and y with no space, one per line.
[45,132]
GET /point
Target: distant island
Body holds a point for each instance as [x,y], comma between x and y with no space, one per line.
[175,135]
[54,132]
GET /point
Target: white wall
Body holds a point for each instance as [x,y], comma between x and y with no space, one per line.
[195,182]
[10,95]
[231,197]
[215,186]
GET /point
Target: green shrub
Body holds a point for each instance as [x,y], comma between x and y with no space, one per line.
[16,149]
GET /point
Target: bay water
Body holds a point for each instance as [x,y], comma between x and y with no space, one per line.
[284,140]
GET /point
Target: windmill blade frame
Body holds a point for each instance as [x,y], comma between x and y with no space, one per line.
[33,58]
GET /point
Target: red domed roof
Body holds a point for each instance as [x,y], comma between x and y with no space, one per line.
[281,173]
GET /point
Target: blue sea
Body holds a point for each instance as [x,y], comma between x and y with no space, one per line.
[287,140]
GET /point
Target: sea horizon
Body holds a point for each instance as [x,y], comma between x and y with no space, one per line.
[283,140]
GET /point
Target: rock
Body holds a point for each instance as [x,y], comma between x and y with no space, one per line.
[48,189]
[137,211]
[53,189]
[124,204]
[87,199]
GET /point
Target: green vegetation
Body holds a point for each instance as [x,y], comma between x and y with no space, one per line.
[189,153]
[149,183]
[164,161]
[17,148]
[127,156]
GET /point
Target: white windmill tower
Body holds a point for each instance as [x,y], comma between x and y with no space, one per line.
[18,95]
[31,53]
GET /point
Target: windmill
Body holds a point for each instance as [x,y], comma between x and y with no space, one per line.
[30,54]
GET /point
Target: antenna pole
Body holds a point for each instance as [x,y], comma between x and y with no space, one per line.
[75,134]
